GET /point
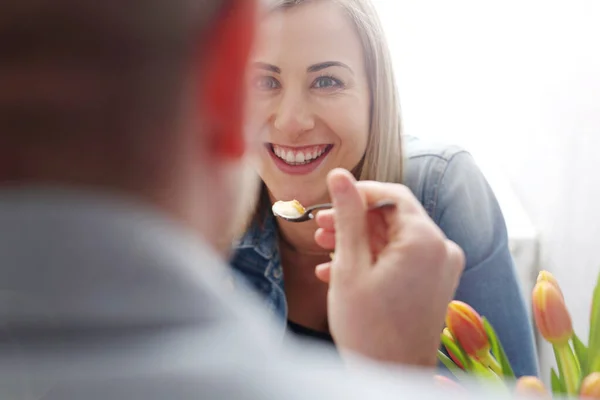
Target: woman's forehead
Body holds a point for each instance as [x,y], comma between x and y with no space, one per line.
[310,33]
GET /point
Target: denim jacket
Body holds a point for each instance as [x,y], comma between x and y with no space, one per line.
[457,197]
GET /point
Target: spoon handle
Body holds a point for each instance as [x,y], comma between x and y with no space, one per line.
[323,206]
[377,205]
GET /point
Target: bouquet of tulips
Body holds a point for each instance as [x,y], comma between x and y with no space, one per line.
[474,348]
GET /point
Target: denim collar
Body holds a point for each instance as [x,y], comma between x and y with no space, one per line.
[262,238]
[257,254]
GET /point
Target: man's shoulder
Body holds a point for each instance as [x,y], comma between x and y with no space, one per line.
[223,363]
[131,267]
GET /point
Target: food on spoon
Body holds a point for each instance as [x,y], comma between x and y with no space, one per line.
[289,209]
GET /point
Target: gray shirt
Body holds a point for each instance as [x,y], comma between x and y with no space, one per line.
[103,298]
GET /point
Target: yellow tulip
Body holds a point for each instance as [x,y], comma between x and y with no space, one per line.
[531,386]
[447,383]
[590,387]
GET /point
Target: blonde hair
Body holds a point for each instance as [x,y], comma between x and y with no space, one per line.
[383,158]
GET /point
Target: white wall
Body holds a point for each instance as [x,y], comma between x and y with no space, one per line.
[518,84]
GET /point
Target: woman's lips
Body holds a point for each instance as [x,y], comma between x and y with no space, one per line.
[298,160]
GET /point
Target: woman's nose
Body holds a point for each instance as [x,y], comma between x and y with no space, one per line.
[293,115]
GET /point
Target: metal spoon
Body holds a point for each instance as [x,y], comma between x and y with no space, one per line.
[308,212]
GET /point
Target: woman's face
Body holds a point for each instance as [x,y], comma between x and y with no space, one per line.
[309,96]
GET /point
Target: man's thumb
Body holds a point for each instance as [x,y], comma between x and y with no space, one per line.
[351,233]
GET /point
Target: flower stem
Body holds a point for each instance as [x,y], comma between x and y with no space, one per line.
[570,368]
[490,362]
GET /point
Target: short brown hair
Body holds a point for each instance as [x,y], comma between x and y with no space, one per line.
[70,66]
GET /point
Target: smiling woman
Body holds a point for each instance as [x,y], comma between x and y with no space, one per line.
[310,95]
[322,95]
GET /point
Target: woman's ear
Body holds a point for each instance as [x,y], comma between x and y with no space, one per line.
[222,90]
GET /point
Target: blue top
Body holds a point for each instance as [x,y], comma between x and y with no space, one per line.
[458,198]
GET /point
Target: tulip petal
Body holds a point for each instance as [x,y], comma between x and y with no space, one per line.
[447,333]
[445,382]
[548,277]
[455,360]
[590,386]
[466,327]
[456,371]
[532,387]
[457,351]
[550,313]
[498,350]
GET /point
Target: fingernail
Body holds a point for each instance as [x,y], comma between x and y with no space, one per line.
[339,184]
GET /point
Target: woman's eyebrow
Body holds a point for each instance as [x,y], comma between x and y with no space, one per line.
[327,64]
[267,67]
[313,68]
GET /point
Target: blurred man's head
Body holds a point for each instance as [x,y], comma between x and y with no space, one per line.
[138,96]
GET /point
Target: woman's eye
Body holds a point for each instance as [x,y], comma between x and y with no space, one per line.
[324,82]
[266,83]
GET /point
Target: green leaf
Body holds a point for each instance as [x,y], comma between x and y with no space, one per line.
[594,364]
[498,350]
[457,351]
[453,368]
[594,339]
[557,385]
[581,351]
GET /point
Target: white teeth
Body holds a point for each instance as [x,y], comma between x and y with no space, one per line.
[299,157]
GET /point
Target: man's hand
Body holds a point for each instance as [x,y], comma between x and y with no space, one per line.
[393,273]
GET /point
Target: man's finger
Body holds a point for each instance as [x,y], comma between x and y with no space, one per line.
[456,259]
[325,239]
[325,219]
[323,272]
[352,236]
[374,192]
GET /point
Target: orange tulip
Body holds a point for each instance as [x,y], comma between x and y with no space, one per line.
[545,276]
[466,327]
[551,315]
[531,386]
[447,333]
[590,387]
[445,382]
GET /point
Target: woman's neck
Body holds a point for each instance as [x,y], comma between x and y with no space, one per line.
[299,237]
